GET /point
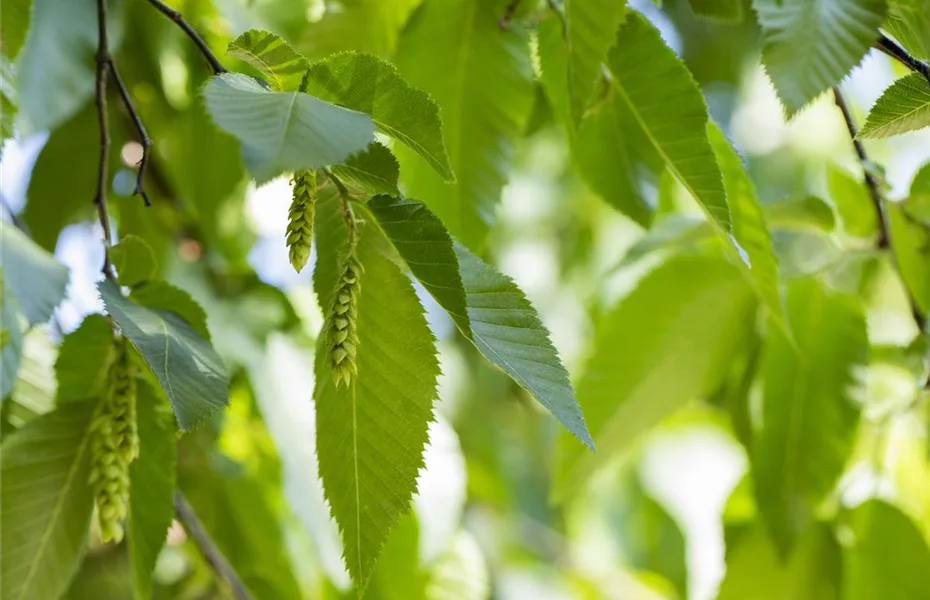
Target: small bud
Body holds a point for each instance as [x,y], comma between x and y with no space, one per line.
[300,218]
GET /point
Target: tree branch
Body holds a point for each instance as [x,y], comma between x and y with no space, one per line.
[140,127]
[103,66]
[895,51]
[870,180]
[185,26]
[218,562]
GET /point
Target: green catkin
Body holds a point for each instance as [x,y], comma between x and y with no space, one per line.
[343,322]
[115,443]
[300,218]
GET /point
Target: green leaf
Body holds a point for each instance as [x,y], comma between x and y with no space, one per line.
[152,481]
[482,80]
[903,107]
[271,55]
[910,241]
[666,102]
[645,363]
[84,360]
[461,573]
[756,571]
[673,232]
[590,31]
[134,260]
[728,11]
[33,275]
[373,171]
[371,433]
[45,503]
[55,69]
[809,419]
[889,559]
[370,26]
[372,86]
[187,366]
[852,202]
[488,307]
[14,23]
[284,131]
[11,337]
[909,23]
[800,212]
[810,45]
[749,227]
[162,296]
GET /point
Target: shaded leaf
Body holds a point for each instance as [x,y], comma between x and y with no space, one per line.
[284,131]
[903,107]
[84,360]
[134,260]
[590,31]
[853,202]
[187,366]
[31,274]
[14,23]
[909,23]
[271,55]
[910,241]
[728,11]
[372,86]
[11,339]
[370,26]
[161,295]
[46,503]
[373,171]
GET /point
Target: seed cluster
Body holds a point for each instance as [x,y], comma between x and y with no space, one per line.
[300,218]
[343,329]
[115,443]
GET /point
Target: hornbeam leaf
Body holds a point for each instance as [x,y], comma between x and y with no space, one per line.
[668,106]
[482,79]
[186,365]
[653,352]
[486,306]
[372,86]
[371,433]
[45,503]
[134,260]
[284,131]
[910,240]
[33,275]
[810,45]
[590,31]
[84,360]
[728,11]
[271,55]
[373,171]
[11,339]
[809,419]
[161,295]
[909,23]
[903,107]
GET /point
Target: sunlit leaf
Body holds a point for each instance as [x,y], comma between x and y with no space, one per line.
[271,55]
[590,30]
[910,241]
[903,107]
[11,338]
[14,23]
[374,171]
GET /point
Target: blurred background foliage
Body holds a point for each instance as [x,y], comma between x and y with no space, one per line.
[671,514]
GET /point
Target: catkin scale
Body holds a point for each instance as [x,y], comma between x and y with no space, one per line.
[343,323]
[114,444]
[300,218]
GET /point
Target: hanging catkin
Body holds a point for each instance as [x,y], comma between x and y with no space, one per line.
[114,445]
[343,322]
[300,218]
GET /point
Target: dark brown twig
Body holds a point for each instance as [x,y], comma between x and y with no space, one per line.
[870,180]
[895,51]
[146,141]
[103,66]
[211,552]
[193,35]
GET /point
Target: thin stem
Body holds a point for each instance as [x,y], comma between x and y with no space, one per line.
[140,127]
[211,552]
[348,215]
[185,26]
[870,180]
[895,51]
[103,66]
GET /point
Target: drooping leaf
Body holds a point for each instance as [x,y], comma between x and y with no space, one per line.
[810,45]
[809,419]
[14,23]
[903,107]
[852,201]
[31,274]
[152,481]
[56,66]
[666,102]
[371,432]
[284,131]
[889,559]
[653,352]
[590,30]
[134,260]
[161,295]
[728,11]
[755,570]
[374,87]
[35,386]
[11,338]
[271,55]
[486,305]
[84,360]
[749,227]
[482,80]
[187,366]
[910,241]
[46,503]
[373,171]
